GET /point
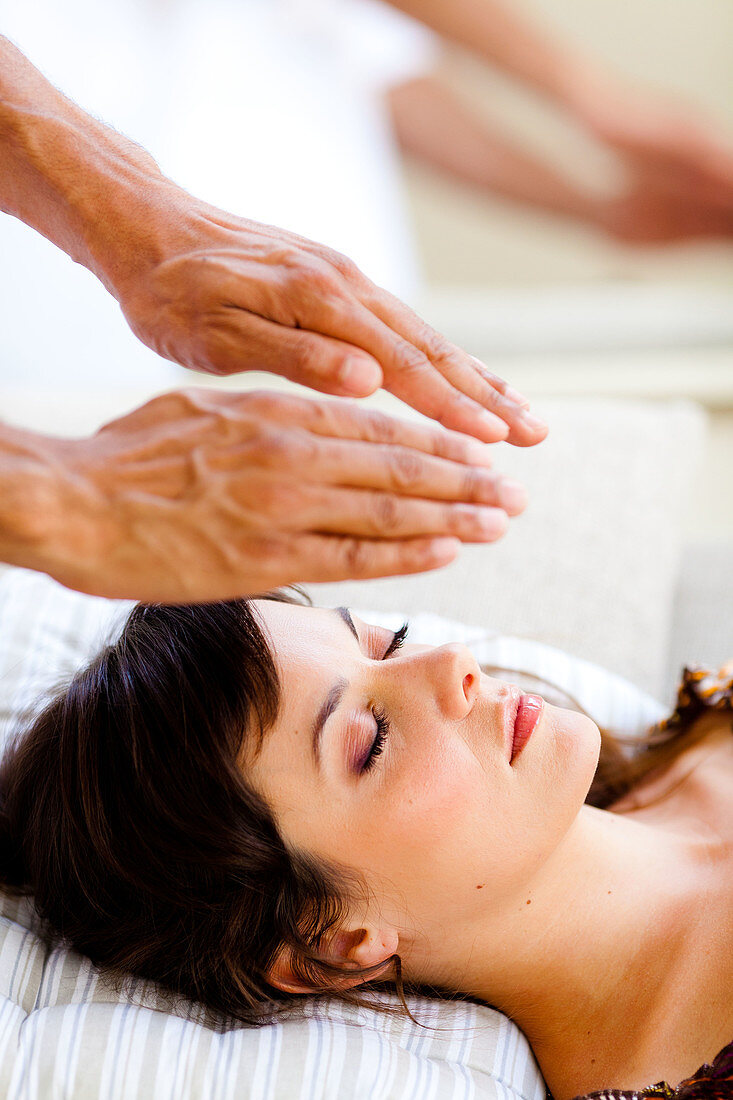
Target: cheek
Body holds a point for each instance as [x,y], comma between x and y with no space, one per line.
[444,829]
[461,827]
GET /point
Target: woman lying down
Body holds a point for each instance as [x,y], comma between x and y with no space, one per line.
[257,800]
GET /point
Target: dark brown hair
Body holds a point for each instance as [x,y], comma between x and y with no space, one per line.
[123,811]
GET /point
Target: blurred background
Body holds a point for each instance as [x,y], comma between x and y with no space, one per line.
[306,114]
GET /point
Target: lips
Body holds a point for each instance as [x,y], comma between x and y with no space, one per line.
[525,722]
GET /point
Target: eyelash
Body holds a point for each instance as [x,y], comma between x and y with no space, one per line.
[383,724]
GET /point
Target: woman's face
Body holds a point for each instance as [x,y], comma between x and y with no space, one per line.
[442,825]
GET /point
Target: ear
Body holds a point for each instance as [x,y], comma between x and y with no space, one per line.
[361,947]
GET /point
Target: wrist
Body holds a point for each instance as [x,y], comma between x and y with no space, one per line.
[39,495]
[87,188]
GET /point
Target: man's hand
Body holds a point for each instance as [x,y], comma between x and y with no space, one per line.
[661,137]
[224,294]
[648,213]
[219,293]
[200,496]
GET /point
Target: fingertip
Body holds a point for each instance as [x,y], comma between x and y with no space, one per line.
[512,497]
[528,432]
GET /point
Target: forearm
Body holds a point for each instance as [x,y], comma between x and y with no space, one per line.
[434,125]
[502,36]
[78,182]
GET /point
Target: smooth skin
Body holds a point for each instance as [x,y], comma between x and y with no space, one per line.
[605,936]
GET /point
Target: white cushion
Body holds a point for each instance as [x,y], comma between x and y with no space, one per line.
[65,1032]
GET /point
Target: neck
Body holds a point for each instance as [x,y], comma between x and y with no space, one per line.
[615,911]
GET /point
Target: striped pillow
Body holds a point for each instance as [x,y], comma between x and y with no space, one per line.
[64,1030]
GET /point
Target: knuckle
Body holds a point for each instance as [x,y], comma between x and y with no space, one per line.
[412,360]
[179,405]
[297,271]
[457,519]
[437,347]
[477,485]
[262,402]
[405,469]
[304,448]
[343,265]
[322,416]
[188,399]
[381,427]
[386,513]
[273,449]
[356,557]
[311,279]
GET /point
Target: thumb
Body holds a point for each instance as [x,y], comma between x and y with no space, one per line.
[359,375]
[326,364]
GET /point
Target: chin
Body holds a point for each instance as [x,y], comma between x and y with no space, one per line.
[574,744]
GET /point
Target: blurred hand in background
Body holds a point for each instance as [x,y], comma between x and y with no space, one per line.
[676,167]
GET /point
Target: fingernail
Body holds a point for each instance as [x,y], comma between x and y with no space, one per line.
[359,376]
[516,396]
[512,495]
[533,422]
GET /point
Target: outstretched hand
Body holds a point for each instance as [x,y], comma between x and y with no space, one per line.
[679,164]
[222,294]
[199,496]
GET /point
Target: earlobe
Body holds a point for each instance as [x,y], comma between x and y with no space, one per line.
[360,948]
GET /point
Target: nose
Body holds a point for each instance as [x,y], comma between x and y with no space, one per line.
[453,677]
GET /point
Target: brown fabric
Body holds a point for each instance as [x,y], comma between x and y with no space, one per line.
[700,690]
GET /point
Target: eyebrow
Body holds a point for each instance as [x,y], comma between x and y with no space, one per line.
[334,696]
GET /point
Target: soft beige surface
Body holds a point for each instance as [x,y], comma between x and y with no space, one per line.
[591,566]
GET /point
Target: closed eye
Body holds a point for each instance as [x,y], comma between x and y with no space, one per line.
[397,641]
[380,717]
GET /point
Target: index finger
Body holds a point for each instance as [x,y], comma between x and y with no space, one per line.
[342,418]
[427,371]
